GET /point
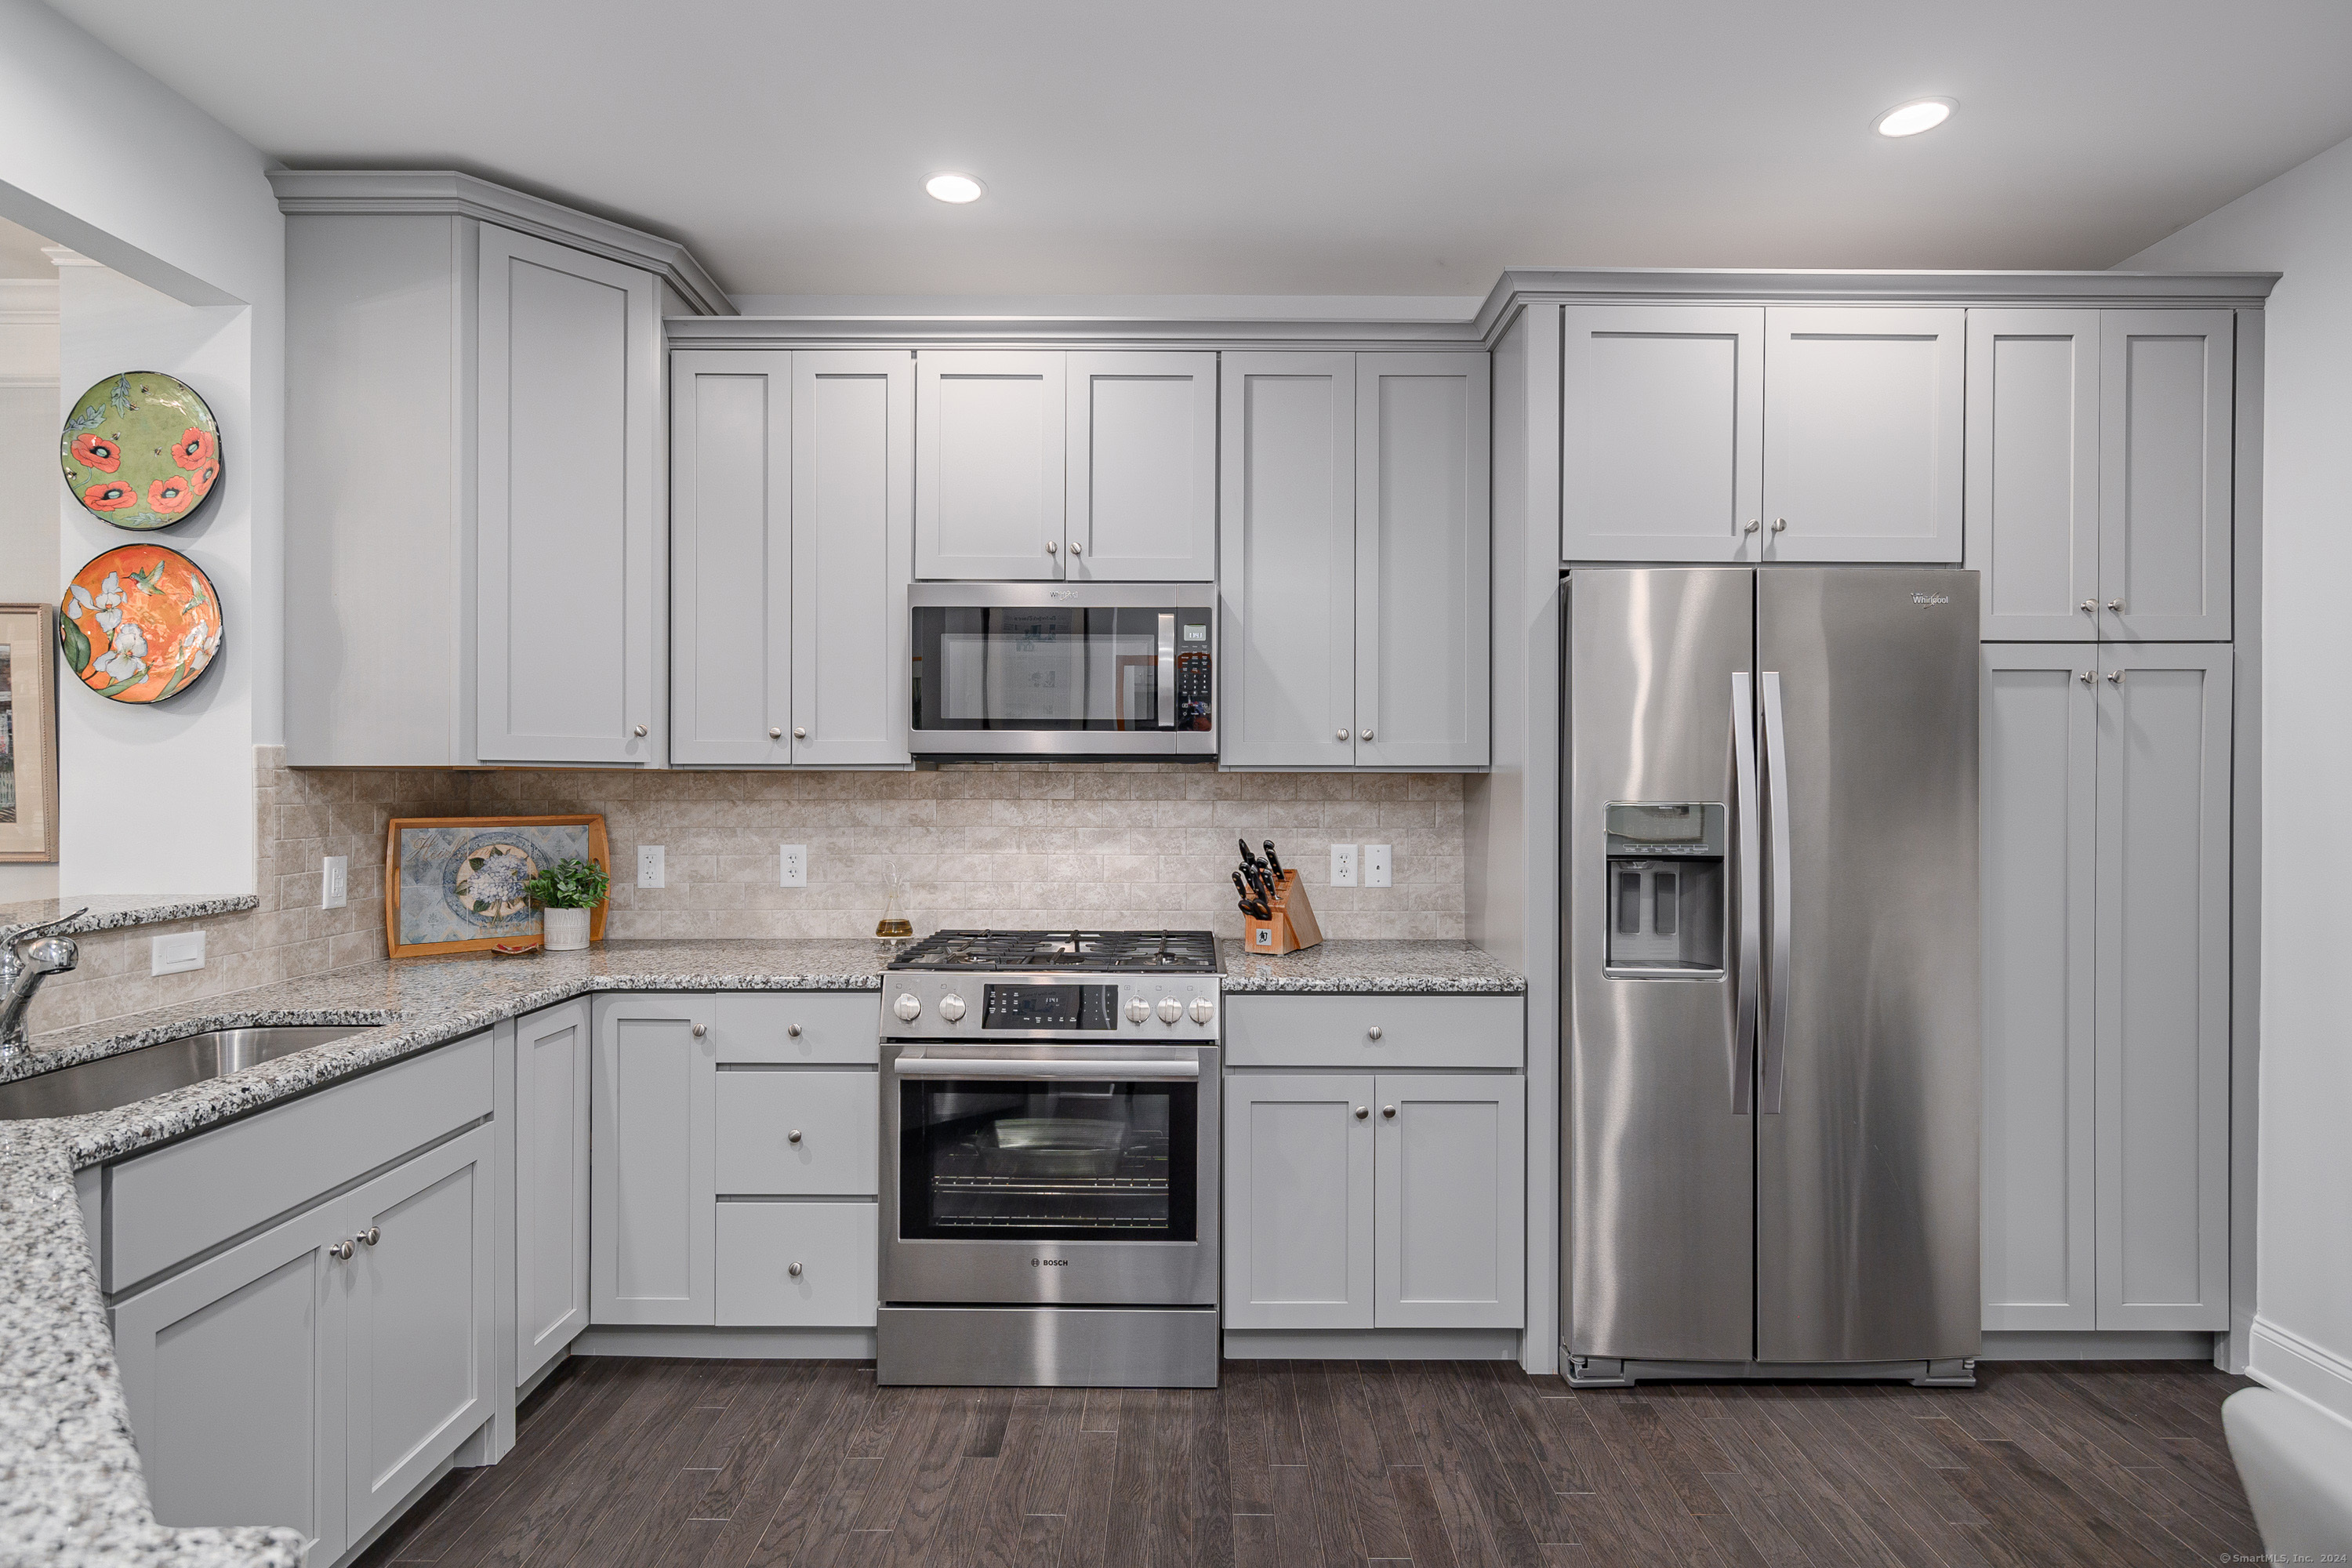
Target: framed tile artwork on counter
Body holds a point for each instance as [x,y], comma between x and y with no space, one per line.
[28,734]
[455,884]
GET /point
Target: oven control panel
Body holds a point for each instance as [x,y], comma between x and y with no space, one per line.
[1083,1009]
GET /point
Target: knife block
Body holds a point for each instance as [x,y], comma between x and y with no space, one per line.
[1293,925]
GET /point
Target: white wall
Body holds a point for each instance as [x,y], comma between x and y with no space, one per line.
[28,484]
[2301,225]
[161,800]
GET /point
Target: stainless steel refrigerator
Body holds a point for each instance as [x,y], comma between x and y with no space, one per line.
[1770,959]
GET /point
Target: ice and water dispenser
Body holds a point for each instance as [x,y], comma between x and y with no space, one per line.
[1667,890]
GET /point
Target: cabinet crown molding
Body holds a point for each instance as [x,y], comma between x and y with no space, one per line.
[445,191]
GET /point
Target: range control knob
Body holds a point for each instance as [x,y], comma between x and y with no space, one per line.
[951,1006]
[1202,1009]
[1137,1009]
[906,1008]
[1170,1009]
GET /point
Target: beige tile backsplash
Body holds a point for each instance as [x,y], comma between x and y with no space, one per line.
[1134,845]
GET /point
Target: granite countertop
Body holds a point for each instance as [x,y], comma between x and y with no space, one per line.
[112,912]
[1363,968]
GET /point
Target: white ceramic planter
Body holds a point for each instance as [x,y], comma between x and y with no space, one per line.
[567,929]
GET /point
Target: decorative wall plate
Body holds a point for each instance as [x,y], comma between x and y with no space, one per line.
[141,449]
[140,624]
[454,884]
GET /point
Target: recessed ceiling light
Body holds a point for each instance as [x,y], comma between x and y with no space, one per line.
[956,188]
[1912,118]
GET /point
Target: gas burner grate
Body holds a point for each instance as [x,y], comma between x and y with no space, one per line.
[1097,952]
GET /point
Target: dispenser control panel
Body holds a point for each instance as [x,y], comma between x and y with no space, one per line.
[1667,890]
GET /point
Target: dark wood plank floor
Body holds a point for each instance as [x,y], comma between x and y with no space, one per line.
[677,1464]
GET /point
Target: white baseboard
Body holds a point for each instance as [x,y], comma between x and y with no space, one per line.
[1372,1345]
[730,1344]
[2294,1365]
[2097,1344]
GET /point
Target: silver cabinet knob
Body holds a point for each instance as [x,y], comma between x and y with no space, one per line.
[1052,548]
[2090,607]
[1338,734]
[341,1251]
[1201,1009]
[775,733]
[2085,676]
[1077,548]
[794,1269]
[793,1136]
[1362,1112]
[1780,525]
[2114,678]
[371,1235]
[2115,606]
[1364,735]
[800,733]
[1138,1010]
[640,730]
[1753,524]
[1374,1031]
[1388,1111]
[951,1006]
[1170,1009]
[906,1008]
[700,1030]
[793,1030]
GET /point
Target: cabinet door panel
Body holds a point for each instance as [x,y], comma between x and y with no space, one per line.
[730,460]
[418,1304]
[233,1376]
[1298,1201]
[1286,685]
[988,464]
[551,1070]
[1863,422]
[1422,592]
[1142,458]
[786,1131]
[1661,435]
[569,401]
[852,473]
[1451,1201]
[835,1246]
[653,1118]
[2162,1004]
[2040,863]
[2033,471]
[2165,473]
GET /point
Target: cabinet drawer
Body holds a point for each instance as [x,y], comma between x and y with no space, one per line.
[1336,1031]
[181,1201]
[800,1027]
[836,1114]
[834,1246]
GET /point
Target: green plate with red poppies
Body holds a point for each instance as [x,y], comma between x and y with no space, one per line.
[142,450]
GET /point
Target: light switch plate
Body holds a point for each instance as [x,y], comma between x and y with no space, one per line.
[334,882]
[1376,866]
[176,953]
[651,871]
[1343,865]
[792,865]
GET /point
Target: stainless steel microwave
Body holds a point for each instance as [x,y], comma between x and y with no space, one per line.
[1063,669]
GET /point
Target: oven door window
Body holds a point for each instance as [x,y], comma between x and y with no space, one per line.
[1061,1160]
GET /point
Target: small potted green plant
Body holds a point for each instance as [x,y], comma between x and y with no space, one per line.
[567,891]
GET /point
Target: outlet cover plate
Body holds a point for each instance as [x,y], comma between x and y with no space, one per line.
[1343,865]
[334,882]
[792,865]
[652,870]
[1376,866]
[176,953]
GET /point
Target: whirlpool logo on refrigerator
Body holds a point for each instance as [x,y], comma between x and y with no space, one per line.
[1927,598]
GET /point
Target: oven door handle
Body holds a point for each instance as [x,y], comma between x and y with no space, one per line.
[999,1067]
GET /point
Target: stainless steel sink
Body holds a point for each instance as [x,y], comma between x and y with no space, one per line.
[132,1075]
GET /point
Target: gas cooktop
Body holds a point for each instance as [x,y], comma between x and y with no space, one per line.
[1094,952]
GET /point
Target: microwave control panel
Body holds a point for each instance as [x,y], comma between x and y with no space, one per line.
[1195,689]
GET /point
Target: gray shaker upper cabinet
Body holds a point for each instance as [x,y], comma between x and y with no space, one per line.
[570,446]
[1141,461]
[2033,472]
[731,475]
[1661,433]
[1863,424]
[2165,390]
[988,464]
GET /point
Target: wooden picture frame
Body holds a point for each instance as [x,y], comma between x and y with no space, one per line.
[28,733]
[450,834]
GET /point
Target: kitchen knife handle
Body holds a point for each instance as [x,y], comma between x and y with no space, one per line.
[1273,861]
[1778,791]
[1747,832]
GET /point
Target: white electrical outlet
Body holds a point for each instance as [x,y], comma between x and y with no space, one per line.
[175,955]
[334,882]
[792,865]
[1343,865]
[1376,866]
[650,869]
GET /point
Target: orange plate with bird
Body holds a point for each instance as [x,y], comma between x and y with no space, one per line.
[141,449]
[140,624]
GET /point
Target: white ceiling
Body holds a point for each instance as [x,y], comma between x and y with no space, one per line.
[1296,147]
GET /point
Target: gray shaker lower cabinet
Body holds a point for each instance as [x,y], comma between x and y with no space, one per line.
[1449,1204]
[1298,1201]
[552,1059]
[280,1381]
[653,1112]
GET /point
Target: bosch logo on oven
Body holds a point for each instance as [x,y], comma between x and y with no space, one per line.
[1049,1263]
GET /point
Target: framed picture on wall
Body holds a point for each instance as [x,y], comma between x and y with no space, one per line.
[28,733]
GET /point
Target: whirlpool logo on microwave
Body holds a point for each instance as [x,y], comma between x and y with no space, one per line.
[1927,598]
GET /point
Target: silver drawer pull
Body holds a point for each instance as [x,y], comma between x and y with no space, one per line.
[794,1270]
[1362,1112]
[371,1235]
[793,1136]
[641,732]
[1000,1067]
[700,1030]
[1374,1031]
[774,733]
[1388,1111]
[793,1030]
[340,1251]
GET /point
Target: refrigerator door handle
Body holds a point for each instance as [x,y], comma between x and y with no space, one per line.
[1777,794]
[1746,828]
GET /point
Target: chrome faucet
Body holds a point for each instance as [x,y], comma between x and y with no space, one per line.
[28,957]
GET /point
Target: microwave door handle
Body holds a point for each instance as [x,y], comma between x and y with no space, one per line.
[1778,791]
[1167,708]
[1747,831]
[1042,1067]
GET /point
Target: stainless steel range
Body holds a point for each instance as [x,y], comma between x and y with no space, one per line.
[1049,1160]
